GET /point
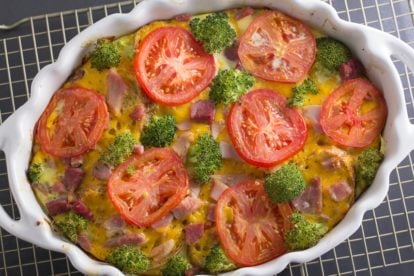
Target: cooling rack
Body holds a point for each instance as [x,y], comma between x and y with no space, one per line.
[385,238]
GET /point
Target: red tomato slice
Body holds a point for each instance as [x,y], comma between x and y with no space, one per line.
[158,184]
[73,122]
[264,130]
[249,226]
[354,114]
[277,47]
[172,66]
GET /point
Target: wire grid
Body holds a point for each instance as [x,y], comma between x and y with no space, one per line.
[386,235]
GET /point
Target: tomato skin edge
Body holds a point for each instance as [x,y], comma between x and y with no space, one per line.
[233,139]
[223,238]
[326,105]
[142,82]
[148,223]
[39,124]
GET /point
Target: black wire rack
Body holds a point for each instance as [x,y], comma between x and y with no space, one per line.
[386,236]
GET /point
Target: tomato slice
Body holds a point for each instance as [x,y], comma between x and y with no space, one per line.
[264,130]
[354,114]
[172,66]
[73,122]
[158,184]
[250,227]
[277,47]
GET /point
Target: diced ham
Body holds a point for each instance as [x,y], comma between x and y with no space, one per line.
[187,206]
[138,149]
[310,200]
[101,171]
[80,208]
[182,144]
[202,111]
[76,161]
[217,189]
[192,271]
[351,69]
[57,206]
[58,187]
[216,128]
[77,75]
[193,232]
[340,190]
[243,13]
[231,52]
[72,178]
[239,66]
[84,241]
[194,189]
[116,91]
[42,188]
[183,17]
[312,113]
[184,126]
[114,225]
[165,221]
[138,113]
[228,151]
[229,179]
[332,163]
[211,215]
[127,239]
[159,252]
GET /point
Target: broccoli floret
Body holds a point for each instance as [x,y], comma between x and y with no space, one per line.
[285,184]
[366,167]
[119,150]
[70,224]
[203,158]
[303,234]
[129,259]
[217,261]
[229,85]
[308,86]
[214,32]
[331,53]
[176,266]
[105,55]
[34,172]
[159,131]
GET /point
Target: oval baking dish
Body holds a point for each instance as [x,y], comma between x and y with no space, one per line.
[372,47]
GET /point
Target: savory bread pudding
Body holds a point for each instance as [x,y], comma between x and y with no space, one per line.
[207,142]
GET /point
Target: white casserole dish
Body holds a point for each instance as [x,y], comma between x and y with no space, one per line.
[373,47]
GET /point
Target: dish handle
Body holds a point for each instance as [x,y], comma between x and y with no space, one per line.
[405,54]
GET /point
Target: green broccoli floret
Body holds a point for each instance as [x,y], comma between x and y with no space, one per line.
[366,168]
[217,261]
[105,55]
[203,158]
[214,32]
[304,234]
[285,184]
[34,172]
[159,131]
[119,150]
[331,53]
[176,266]
[70,224]
[129,259]
[308,86]
[229,85]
